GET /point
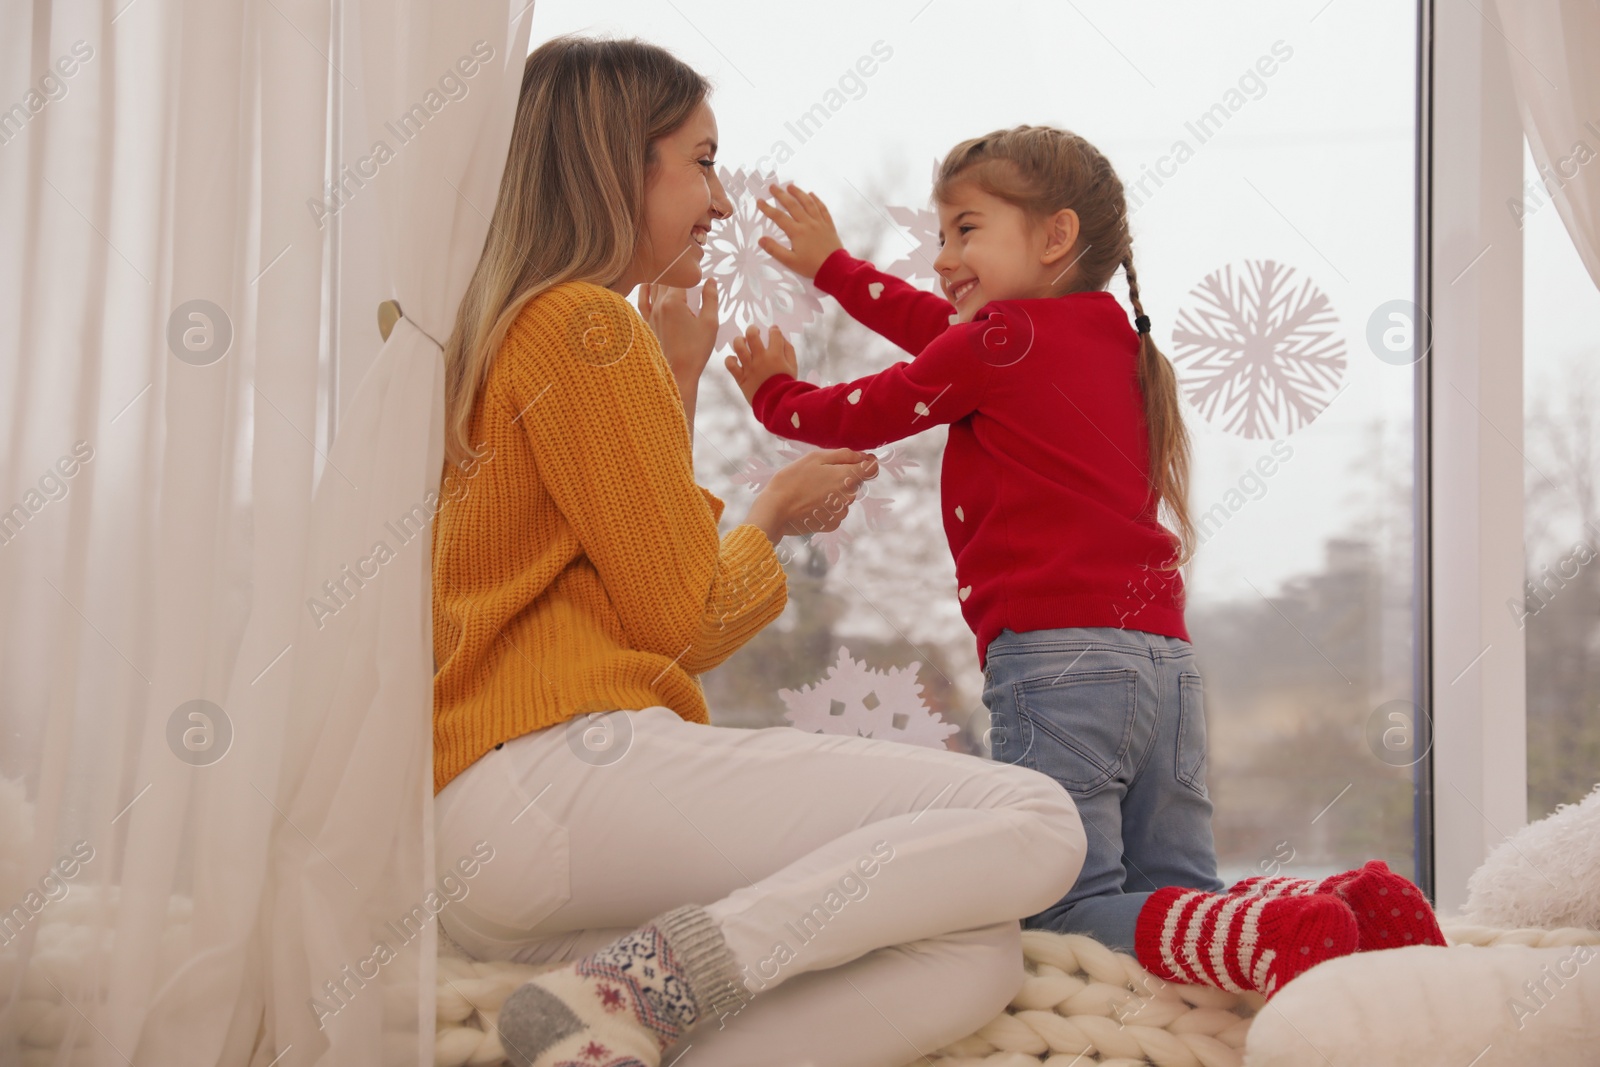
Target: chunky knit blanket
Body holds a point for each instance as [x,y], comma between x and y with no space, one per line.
[1084,1004]
[1081,1004]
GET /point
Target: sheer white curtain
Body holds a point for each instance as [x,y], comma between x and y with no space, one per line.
[1554,50]
[215,685]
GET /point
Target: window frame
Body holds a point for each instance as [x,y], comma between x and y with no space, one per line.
[1471,655]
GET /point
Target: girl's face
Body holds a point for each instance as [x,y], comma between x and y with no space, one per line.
[989,249]
[682,197]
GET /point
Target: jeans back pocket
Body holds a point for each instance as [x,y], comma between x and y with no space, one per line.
[1191,758]
[1079,724]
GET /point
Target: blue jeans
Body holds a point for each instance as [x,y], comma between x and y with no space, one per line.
[1118,718]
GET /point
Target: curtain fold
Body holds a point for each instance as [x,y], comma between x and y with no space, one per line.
[1554,50]
[215,687]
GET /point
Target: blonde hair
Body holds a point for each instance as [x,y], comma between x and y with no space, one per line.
[1042,170]
[571,201]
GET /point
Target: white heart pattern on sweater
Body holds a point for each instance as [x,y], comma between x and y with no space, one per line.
[854,397]
[795,418]
[875,290]
[960,517]
[964,591]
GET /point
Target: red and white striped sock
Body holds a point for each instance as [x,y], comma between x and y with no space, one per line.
[1390,911]
[1240,941]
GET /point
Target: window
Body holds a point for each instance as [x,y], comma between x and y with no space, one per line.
[1272,200]
[1559,608]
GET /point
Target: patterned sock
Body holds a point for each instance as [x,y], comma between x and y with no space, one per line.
[1240,942]
[1391,912]
[625,1003]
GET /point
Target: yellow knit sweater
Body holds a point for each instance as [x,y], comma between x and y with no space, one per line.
[576,564]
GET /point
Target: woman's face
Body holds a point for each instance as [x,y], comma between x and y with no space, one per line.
[682,197]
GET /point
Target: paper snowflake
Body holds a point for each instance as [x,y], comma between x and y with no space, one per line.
[923,226]
[1258,355]
[894,463]
[855,700]
[755,473]
[752,287]
[832,542]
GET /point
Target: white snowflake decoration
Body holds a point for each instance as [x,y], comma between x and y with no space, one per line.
[833,542]
[1258,356]
[895,463]
[755,474]
[923,226]
[855,700]
[752,287]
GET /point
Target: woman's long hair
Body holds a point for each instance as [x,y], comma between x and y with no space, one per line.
[1041,170]
[571,202]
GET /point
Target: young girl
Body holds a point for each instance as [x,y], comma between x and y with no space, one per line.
[1065,438]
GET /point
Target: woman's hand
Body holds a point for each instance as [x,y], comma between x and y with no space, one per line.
[813,494]
[753,362]
[805,221]
[686,337]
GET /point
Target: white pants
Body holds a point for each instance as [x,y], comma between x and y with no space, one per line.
[869,890]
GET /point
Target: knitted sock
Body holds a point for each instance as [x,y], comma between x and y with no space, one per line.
[1390,911]
[625,1003]
[1240,942]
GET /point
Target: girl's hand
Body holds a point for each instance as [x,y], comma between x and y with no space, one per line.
[686,337]
[805,221]
[753,362]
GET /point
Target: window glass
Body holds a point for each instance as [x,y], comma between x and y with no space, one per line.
[1559,607]
[1268,154]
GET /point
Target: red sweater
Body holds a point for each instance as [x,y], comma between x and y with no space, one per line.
[1045,483]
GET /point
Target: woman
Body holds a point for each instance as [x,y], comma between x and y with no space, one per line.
[765,896]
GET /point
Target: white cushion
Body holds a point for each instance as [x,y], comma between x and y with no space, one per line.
[1483,1006]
